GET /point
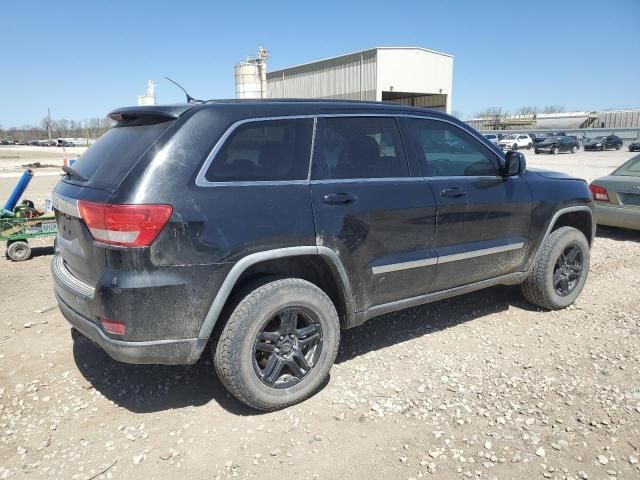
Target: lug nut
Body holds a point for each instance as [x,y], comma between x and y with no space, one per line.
[291,336]
[281,337]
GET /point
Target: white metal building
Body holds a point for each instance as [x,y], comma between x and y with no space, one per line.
[408,75]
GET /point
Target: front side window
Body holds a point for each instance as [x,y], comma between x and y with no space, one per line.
[448,151]
[362,147]
[267,150]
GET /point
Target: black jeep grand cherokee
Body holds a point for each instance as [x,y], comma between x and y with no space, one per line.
[264,228]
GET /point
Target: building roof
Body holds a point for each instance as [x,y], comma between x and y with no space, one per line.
[367,50]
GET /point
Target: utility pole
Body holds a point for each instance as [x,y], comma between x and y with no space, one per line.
[48,123]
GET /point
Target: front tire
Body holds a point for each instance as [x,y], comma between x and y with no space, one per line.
[529,146]
[574,149]
[618,147]
[514,146]
[278,345]
[555,150]
[559,270]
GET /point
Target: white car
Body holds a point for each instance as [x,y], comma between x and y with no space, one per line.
[514,142]
[492,138]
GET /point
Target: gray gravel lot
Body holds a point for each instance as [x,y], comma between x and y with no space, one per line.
[479,386]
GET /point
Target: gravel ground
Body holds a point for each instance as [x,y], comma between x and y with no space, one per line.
[479,386]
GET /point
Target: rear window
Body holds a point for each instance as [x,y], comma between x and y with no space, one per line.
[629,169]
[107,161]
[265,150]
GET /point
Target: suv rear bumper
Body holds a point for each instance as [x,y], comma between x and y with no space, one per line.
[165,352]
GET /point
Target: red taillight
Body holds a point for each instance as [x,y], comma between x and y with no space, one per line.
[124,225]
[111,326]
[599,193]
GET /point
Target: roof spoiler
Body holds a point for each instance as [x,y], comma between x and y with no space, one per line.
[153,113]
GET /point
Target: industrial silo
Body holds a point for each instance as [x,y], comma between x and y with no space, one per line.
[251,76]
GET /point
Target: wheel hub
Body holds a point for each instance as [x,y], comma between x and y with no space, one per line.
[568,270]
[286,345]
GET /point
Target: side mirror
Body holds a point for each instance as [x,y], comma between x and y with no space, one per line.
[515,163]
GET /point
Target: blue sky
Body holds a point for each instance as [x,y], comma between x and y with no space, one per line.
[83,59]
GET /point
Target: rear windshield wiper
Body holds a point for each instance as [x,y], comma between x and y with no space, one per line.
[73,173]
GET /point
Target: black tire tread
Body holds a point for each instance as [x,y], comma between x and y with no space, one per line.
[533,287]
[227,347]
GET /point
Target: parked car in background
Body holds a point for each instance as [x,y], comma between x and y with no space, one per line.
[514,142]
[635,145]
[494,137]
[617,196]
[6,142]
[48,143]
[556,145]
[540,137]
[603,143]
[302,220]
[64,143]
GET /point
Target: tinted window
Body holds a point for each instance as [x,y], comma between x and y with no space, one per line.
[447,150]
[363,147]
[107,161]
[264,151]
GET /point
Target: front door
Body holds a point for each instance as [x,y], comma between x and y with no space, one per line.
[370,210]
[483,218]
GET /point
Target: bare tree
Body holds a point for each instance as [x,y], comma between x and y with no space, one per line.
[553,109]
[527,110]
[46,125]
[457,114]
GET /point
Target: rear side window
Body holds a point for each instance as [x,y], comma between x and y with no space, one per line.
[363,147]
[107,161]
[267,150]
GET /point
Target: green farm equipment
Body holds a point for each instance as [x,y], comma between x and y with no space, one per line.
[18,231]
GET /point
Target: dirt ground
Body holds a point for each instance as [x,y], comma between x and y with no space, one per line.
[479,386]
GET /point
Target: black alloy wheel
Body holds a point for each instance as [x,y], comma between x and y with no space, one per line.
[568,270]
[287,347]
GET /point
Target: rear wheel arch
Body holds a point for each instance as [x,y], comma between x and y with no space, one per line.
[318,265]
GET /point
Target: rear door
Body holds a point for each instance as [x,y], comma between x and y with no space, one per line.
[482,223]
[370,210]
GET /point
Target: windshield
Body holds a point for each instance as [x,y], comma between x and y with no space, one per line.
[629,169]
[596,139]
[509,137]
[490,136]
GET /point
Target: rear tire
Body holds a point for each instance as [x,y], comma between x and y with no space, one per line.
[19,251]
[536,151]
[574,149]
[529,146]
[618,147]
[260,356]
[555,150]
[514,146]
[553,284]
